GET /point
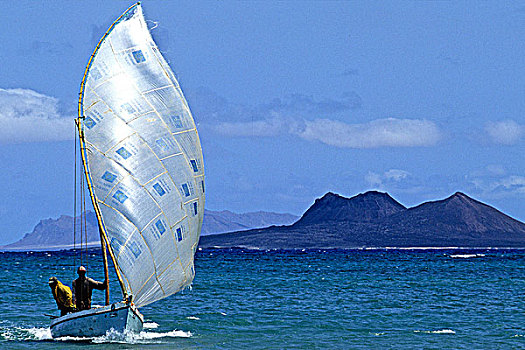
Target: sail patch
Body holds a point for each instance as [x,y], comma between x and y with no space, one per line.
[161,143]
[89,122]
[158,188]
[176,121]
[109,177]
[126,107]
[166,147]
[185,190]
[94,116]
[120,196]
[98,71]
[194,165]
[124,153]
[134,57]
[135,249]
[95,74]
[116,245]
[138,56]
[187,141]
[160,227]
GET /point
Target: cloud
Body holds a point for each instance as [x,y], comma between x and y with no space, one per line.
[311,119]
[260,128]
[495,169]
[396,174]
[210,108]
[509,185]
[374,180]
[378,133]
[299,103]
[494,182]
[505,132]
[388,177]
[514,183]
[395,180]
[28,116]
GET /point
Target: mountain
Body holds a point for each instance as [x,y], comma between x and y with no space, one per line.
[460,220]
[227,221]
[375,219]
[365,207]
[58,233]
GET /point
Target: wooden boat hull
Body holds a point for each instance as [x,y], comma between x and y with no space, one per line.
[95,322]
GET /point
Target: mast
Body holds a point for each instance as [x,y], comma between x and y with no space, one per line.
[105,260]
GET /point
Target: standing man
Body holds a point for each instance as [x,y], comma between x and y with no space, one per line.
[62,295]
[82,287]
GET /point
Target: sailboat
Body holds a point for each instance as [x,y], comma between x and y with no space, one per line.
[143,165]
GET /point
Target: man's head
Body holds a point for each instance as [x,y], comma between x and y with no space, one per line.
[52,281]
[81,271]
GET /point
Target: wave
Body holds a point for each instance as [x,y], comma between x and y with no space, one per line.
[150,325]
[466,256]
[439,331]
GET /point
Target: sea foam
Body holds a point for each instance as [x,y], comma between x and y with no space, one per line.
[438,331]
[19,333]
[143,337]
[112,336]
[465,256]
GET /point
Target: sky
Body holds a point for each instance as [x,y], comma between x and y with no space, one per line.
[291,99]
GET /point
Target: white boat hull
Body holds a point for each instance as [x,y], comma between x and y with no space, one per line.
[95,322]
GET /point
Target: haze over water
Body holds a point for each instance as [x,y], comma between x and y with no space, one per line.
[433,299]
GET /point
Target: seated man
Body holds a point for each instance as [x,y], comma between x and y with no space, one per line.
[83,286]
[62,295]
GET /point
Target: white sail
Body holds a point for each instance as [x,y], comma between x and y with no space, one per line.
[144,160]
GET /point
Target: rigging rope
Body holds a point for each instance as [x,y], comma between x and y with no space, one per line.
[83,249]
[75,207]
[81,226]
[85,222]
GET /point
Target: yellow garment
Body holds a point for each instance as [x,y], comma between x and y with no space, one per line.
[63,296]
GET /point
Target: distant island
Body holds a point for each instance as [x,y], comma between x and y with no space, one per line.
[371,219]
[375,219]
[57,234]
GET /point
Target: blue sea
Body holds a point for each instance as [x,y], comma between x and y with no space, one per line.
[311,299]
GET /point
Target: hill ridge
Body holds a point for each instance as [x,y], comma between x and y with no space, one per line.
[334,221]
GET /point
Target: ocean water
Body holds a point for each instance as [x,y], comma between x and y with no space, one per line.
[355,299]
